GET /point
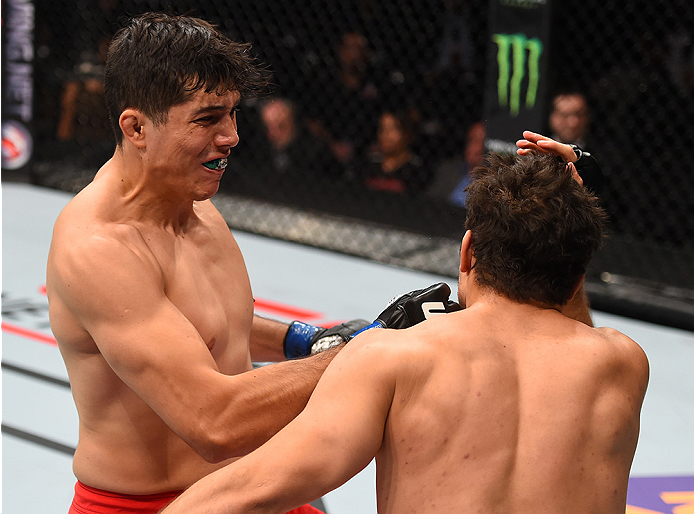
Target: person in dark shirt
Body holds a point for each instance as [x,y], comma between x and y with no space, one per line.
[391,165]
[343,116]
[454,175]
[292,150]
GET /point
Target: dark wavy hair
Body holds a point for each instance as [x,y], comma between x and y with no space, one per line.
[534,228]
[158,60]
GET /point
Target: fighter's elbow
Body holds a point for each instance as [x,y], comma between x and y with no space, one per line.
[212,452]
[216,444]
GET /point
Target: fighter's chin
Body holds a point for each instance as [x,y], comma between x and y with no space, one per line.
[207,191]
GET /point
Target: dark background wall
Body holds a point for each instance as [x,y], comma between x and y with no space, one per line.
[428,61]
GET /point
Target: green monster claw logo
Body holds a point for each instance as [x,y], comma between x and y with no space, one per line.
[509,86]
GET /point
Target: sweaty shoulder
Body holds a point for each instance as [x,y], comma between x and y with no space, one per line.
[624,352]
[372,345]
[84,231]
[410,352]
[393,342]
[89,254]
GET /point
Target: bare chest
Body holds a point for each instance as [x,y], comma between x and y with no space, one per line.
[208,283]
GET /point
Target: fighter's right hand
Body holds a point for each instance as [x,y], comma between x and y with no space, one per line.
[303,339]
[414,307]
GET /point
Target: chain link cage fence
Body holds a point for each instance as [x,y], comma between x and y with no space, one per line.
[378,107]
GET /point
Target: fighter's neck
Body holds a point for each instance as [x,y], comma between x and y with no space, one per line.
[479,296]
[511,313]
[136,194]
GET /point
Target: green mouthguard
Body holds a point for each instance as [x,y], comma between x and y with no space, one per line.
[217,164]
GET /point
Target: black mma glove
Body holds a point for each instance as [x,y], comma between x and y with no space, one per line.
[414,307]
[589,170]
[303,339]
[402,311]
[411,308]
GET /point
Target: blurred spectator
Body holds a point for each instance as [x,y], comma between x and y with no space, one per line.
[391,165]
[680,59]
[341,114]
[455,47]
[83,121]
[293,150]
[452,68]
[453,175]
[569,118]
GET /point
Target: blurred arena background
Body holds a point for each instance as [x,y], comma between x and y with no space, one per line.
[361,87]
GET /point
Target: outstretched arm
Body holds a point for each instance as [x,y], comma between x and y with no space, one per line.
[334,438]
[157,352]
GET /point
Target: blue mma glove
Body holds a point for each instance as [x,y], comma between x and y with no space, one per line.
[303,339]
[414,307]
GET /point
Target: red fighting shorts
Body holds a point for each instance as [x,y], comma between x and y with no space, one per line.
[306,509]
[89,500]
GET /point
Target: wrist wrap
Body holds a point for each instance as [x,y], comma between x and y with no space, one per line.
[297,340]
[375,324]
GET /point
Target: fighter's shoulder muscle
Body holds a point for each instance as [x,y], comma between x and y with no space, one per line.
[623,349]
[391,353]
[79,236]
[87,256]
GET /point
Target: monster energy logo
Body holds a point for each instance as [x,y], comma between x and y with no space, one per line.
[523,51]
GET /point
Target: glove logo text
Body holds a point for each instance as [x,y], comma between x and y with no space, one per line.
[431,309]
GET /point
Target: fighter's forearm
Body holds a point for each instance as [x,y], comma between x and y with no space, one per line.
[266,340]
[234,489]
[266,399]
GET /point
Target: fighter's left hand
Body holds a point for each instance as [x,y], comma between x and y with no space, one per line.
[534,142]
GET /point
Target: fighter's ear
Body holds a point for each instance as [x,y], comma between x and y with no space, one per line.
[132,124]
[466,253]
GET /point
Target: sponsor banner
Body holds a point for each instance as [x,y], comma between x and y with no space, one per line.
[17,83]
[661,495]
[516,82]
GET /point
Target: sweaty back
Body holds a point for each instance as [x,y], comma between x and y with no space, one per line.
[510,420]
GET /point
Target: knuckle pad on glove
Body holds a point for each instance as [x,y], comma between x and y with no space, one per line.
[336,335]
[342,330]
